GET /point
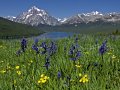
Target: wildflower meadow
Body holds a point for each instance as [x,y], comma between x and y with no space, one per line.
[79,62]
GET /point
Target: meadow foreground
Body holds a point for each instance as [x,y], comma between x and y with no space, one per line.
[83,62]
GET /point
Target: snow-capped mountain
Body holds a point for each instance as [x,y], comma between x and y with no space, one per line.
[12,18]
[93,17]
[35,16]
[61,21]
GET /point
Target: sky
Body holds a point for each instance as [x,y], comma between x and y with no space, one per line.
[58,8]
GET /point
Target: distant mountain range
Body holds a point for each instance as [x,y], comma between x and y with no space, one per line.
[35,17]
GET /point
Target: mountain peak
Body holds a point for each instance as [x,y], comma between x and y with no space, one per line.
[95,12]
[34,8]
[35,16]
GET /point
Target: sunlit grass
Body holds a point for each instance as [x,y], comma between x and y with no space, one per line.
[90,72]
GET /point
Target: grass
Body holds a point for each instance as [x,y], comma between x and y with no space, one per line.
[24,72]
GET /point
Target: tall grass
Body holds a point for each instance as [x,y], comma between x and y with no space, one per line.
[101,74]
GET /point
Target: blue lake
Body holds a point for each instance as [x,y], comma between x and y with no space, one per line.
[54,35]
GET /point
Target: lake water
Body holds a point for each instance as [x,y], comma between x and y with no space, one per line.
[54,35]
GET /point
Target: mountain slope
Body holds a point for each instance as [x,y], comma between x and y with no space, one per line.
[93,27]
[93,17]
[35,16]
[9,28]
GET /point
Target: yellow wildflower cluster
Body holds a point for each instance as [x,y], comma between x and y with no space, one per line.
[84,78]
[18,71]
[43,79]
[17,67]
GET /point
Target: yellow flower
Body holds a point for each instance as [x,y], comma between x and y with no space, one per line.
[46,77]
[3,71]
[84,79]
[17,67]
[78,66]
[19,72]
[43,79]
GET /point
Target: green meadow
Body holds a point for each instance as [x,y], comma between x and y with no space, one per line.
[90,71]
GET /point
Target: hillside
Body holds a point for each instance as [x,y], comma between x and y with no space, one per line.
[10,29]
[97,27]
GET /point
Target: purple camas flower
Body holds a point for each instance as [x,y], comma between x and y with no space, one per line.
[71,52]
[34,47]
[103,48]
[74,53]
[49,49]
[59,75]
[23,44]
[52,49]
[78,54]
[73,47]
[44,46]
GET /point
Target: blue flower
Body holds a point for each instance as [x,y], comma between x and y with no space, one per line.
[44,46]
[103,48]
[74,54]
[23,44]
[34,47]
[59,75]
